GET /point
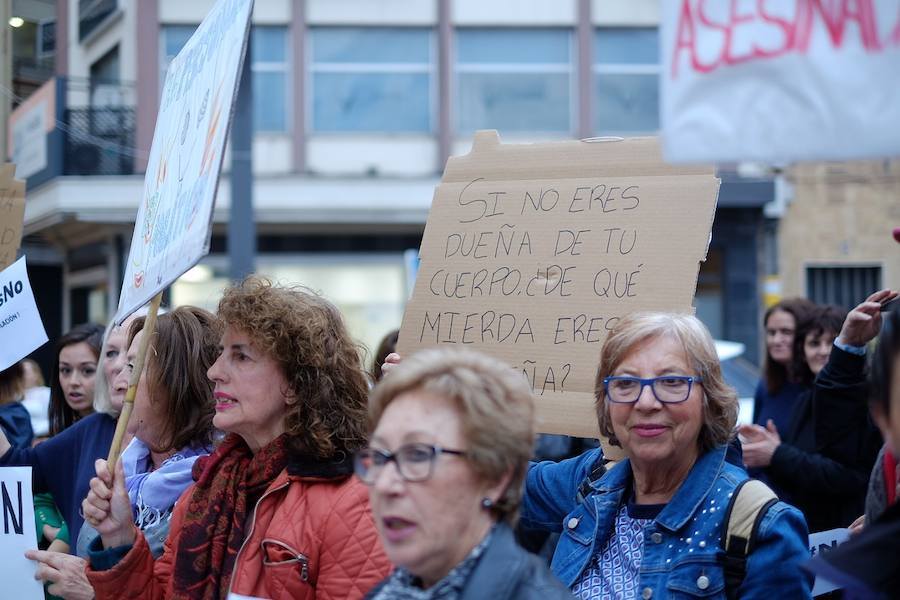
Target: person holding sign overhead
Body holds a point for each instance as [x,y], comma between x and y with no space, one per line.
[172,427]
[651,526]
[274,512]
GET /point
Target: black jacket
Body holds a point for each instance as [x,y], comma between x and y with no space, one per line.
[507,572]
[829,493]
[867,566]
[844,430]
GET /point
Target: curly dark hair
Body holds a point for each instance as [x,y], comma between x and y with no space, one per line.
[305,334]
[60,413]
[822,320]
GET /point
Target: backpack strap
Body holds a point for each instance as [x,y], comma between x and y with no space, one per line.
[749,503]
[598,470]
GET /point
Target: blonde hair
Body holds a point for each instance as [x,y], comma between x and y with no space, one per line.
[102,402]
[495,405]
[720,405]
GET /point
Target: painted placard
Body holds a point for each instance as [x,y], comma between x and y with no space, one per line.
[174,219]
[779,82]
[18,534]
[532,252]
[21,329]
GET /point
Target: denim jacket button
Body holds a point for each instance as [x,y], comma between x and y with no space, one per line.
[656,537]
[647,593]
[572,523]
[703,582]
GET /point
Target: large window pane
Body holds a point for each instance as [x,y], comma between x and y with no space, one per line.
[632,45]
[513,102]
[371,45]
[513,46]
[371,102]
[627,104]
[626,80]
[269,102]
[514,80]
[374,79]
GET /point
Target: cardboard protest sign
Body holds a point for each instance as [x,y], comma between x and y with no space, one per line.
[17,534]
[824,541]
[21,328]
[780,81]
[12,214]
[173,225]
[533,252]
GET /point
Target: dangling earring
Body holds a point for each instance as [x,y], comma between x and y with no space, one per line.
[487,503]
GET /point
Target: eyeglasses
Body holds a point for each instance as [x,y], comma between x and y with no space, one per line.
[668,389]
[415,462]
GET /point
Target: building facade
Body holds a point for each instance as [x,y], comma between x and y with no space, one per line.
[356,107]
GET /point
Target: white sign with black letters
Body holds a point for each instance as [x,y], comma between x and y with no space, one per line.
[21,328]
[17,534]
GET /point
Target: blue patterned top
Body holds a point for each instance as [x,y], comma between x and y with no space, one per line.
[614,572]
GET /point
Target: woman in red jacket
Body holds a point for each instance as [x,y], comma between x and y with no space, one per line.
[274,511]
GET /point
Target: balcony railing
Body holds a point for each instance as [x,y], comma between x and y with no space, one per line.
[99,141]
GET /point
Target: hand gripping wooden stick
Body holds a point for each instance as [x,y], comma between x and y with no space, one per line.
[148,330]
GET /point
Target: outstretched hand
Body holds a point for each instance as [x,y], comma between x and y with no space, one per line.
[864,322]
[107,507]
[64,573]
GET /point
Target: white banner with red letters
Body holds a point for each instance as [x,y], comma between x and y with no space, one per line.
[780,80]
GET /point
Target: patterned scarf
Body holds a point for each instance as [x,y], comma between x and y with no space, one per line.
[403,585]
[229,482]
[153,492]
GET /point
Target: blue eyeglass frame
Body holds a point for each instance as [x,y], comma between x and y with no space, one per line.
[690,379]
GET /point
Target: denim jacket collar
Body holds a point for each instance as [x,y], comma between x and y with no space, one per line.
[681,508]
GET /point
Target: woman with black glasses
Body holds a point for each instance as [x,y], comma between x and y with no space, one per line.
[451,433]
[652,526]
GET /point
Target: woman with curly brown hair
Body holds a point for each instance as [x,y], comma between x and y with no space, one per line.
[274,511]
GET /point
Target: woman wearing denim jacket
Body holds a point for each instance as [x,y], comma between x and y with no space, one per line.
[651,526]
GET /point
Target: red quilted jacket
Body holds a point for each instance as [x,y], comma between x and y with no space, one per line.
[311,538]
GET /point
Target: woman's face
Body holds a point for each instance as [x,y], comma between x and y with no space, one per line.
[77,370]
[252,394]
[147,417]
[655,434]
[780,327]
[428,527]
[114,360]
[817,349]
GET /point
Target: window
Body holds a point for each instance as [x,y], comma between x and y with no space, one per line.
[371,79]
[514,80]
[845,286]
[626,76]
[91,13]
[270,71]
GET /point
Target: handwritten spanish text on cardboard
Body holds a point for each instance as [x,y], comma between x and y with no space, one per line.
[533,252]
[12,214]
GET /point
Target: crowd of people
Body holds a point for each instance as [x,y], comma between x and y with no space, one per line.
[262,460]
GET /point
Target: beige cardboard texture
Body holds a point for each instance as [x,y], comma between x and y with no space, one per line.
[12,214]
[532,252]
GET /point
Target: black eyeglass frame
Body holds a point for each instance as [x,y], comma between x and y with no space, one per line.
[388,457]
[651,381]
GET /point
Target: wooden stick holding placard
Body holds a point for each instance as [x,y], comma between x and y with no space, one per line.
[148,330]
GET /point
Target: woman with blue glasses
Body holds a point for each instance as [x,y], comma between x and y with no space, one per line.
[652,525]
